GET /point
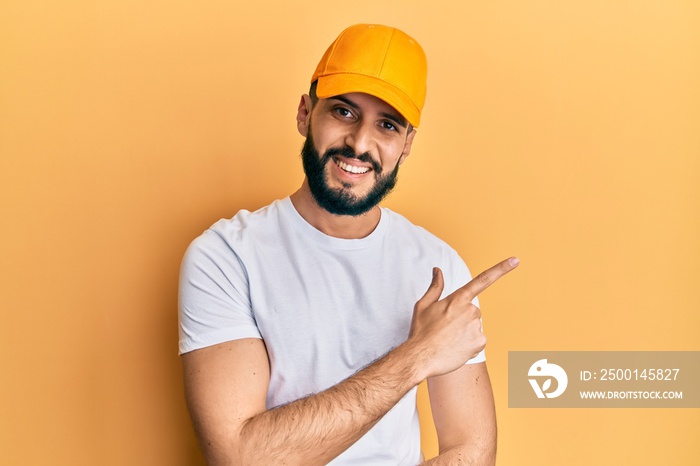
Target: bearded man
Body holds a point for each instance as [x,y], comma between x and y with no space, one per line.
[305,326]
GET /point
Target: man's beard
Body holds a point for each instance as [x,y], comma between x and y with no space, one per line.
[340,201]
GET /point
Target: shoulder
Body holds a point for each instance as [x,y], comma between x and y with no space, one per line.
[411,234]
[242,227]
[228,242]
[418,242]
[246,223]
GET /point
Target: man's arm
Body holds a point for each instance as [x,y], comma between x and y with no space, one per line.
[464,415]
[226,386]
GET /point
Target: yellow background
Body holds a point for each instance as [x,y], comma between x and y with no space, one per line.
[564,132]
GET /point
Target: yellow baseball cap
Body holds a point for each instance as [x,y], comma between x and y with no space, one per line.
[378,60]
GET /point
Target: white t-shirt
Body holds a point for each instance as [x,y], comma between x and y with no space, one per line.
[326,307]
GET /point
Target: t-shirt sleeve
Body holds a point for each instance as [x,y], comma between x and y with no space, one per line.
[459,276]
[214,299]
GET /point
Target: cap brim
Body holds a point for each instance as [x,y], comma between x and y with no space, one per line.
[344,83]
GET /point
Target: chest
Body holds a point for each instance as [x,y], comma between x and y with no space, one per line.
[325,315]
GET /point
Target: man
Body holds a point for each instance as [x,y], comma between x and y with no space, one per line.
[305,326]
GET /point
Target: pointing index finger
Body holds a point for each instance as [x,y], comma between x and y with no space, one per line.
[488,277]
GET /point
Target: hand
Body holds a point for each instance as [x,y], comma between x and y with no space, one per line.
[447,332]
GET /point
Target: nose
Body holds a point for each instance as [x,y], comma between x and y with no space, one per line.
[359,138]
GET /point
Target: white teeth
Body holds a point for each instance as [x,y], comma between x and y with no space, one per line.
[350,168]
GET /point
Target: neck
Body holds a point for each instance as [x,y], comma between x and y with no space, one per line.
[338,226]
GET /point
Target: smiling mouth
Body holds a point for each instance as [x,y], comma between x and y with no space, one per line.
[351,168]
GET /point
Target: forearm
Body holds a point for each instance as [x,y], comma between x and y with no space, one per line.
[472,455]
[316,429]
[465,416]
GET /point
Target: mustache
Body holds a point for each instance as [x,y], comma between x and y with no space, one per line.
[347,152]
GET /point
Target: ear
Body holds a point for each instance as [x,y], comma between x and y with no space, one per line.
[407,145]
[304,115]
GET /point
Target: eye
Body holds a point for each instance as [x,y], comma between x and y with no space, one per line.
[342,112]
[389,126]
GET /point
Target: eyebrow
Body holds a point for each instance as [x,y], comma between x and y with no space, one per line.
[399,120]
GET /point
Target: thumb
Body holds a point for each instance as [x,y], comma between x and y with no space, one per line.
[434,290]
